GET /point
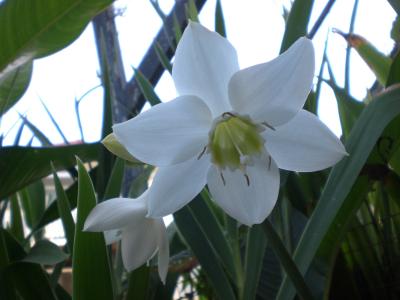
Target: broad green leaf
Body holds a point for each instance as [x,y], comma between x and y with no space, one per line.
[90,264]
[361,141]
[45,252]
[21,166]
[64,210]
[198,242]
[297,22]
[255,250]
[32,29]
[13,86]
[377,61]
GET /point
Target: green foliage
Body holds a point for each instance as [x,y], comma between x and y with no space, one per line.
[91,270]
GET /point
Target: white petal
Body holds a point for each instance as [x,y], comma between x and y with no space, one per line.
[275,91]
[163,249]
[304,144]
[139,243]
[112,236]
[204,63]
[116,213]
[176,185]
[168,133]
[249,204]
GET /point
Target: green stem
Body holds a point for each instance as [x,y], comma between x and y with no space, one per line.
[288,264]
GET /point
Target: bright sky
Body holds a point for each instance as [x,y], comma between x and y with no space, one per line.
[254,27]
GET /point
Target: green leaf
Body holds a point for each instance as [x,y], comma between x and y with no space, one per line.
[32,29]
[138,285]
[164,60]
[349,108]
[208,223]
[199,244]
[377,61]
[361,141]
[16,226]
[45,252]
[64,211]
[394,72]
[297,22]
[13,85]
[28,280]
[33,200]
[31,281]
[396,5]
[21,166]
[146,88]
[114,183]
[219,19]
[90,265]
[255,249]
[286,261]
[36,132]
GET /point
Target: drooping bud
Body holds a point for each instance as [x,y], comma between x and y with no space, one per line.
[116,148]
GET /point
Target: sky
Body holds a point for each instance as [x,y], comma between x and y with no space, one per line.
[254,27]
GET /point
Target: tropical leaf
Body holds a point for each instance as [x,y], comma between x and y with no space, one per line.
[360,143]
[21,166]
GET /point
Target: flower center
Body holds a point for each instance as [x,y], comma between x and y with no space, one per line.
[233,140]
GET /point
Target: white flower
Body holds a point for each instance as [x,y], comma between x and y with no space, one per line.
[230,128]
[141,236]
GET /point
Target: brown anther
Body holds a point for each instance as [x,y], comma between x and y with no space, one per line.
[202,152]
[247,179]
[268,126]
[222,177]
[228,114]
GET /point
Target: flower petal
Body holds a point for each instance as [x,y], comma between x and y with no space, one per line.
[204,63]
[116,213]
[168,133]
[176,185]
[249,204]
[139,243]
[112,236]
[304,144]
[163,249]
[275,91]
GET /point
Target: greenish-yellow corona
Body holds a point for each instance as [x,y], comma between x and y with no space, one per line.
[233,140]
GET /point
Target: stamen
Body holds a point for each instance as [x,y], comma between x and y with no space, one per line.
[202,152]
[269,162]
[222,177]
[247,179]
[228,114]
[268,126]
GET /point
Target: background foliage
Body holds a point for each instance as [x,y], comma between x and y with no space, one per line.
[333,234]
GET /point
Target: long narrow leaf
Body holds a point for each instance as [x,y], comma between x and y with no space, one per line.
[90,265]
[361,141]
